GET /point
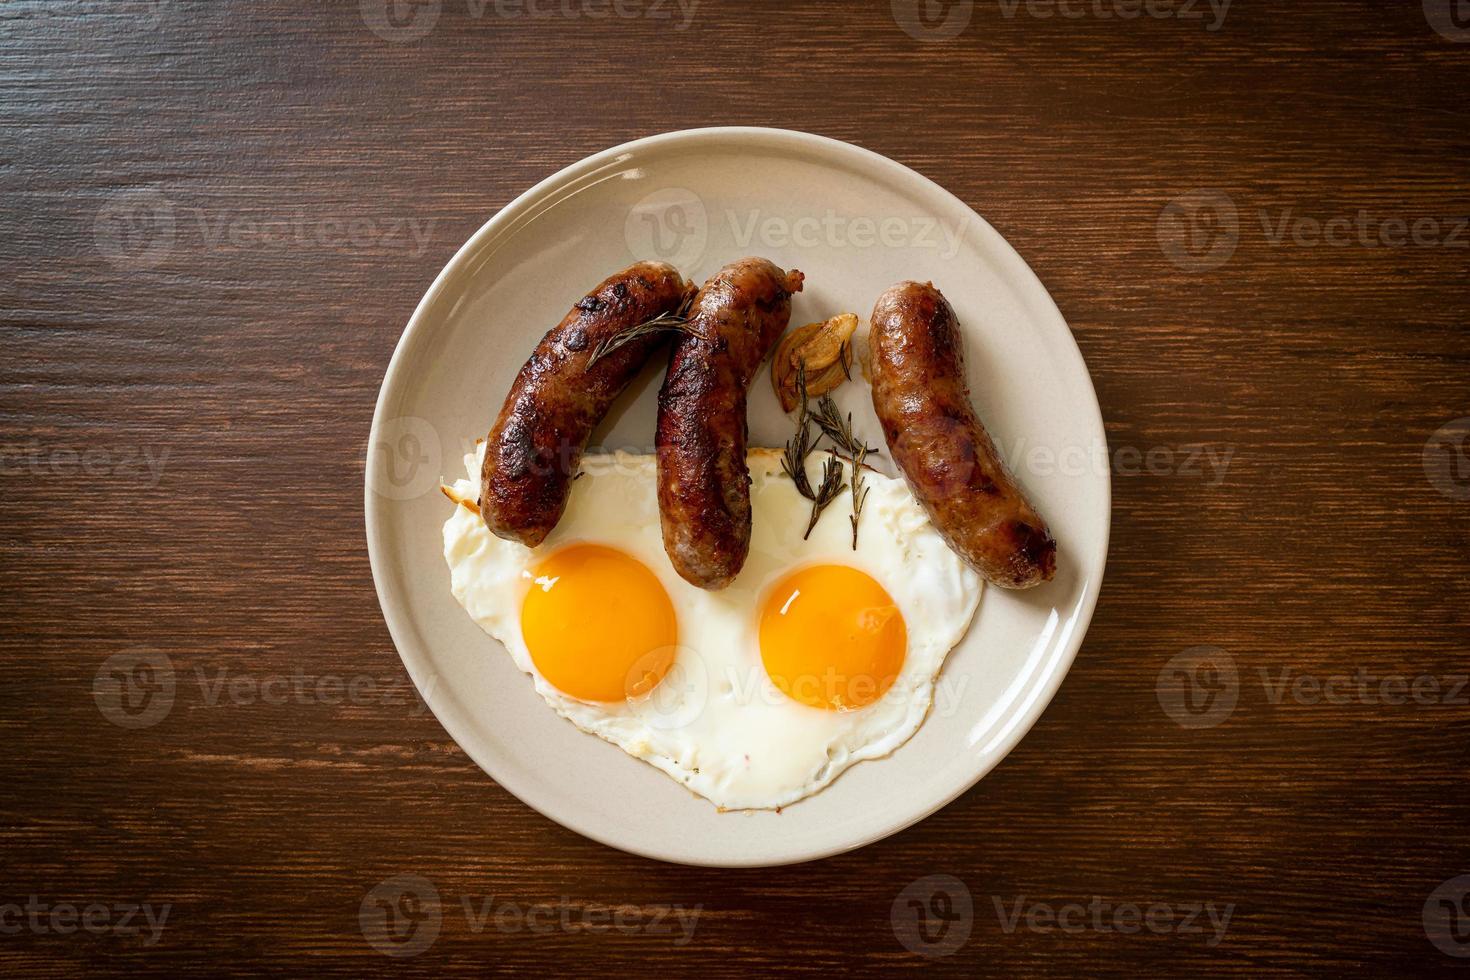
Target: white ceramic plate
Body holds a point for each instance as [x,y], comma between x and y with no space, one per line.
[855,223]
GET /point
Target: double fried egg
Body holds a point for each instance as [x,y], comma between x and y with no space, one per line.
[818,656]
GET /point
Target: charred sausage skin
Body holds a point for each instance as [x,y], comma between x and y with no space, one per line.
[939,444]
[536,444]
[703,481]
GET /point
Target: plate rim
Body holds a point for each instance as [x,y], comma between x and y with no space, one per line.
[375,501]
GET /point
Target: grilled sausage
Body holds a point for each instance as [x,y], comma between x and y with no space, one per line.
[703,482]
[533,450]
[951,465]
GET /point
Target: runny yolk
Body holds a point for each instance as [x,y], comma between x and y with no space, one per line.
[832,638]
[598,624]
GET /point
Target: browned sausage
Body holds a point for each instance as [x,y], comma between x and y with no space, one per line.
[940,445]
[703,482]
[534,448]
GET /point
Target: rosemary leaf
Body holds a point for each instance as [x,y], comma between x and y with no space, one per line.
[793,461]
[799,445]
[659,324]
[826,493]
[838,428]
[802,413]
[859,492]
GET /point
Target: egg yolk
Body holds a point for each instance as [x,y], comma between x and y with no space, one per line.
[832,638]
[598,624]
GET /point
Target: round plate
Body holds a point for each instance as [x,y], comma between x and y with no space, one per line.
[855,223]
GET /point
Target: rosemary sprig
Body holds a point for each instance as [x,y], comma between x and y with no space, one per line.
[826,493]
[838,428]
[659,324]
[793,461]
[859,492]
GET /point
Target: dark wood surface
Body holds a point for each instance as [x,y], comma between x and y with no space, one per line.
[263,813]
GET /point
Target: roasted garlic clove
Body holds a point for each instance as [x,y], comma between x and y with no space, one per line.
[824,349]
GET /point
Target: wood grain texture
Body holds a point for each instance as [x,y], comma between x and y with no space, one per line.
[246,370]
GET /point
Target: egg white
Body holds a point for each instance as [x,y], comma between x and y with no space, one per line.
[717,724]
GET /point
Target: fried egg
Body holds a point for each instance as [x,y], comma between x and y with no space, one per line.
[818,656]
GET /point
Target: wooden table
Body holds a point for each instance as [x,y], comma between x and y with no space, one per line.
[219,215]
